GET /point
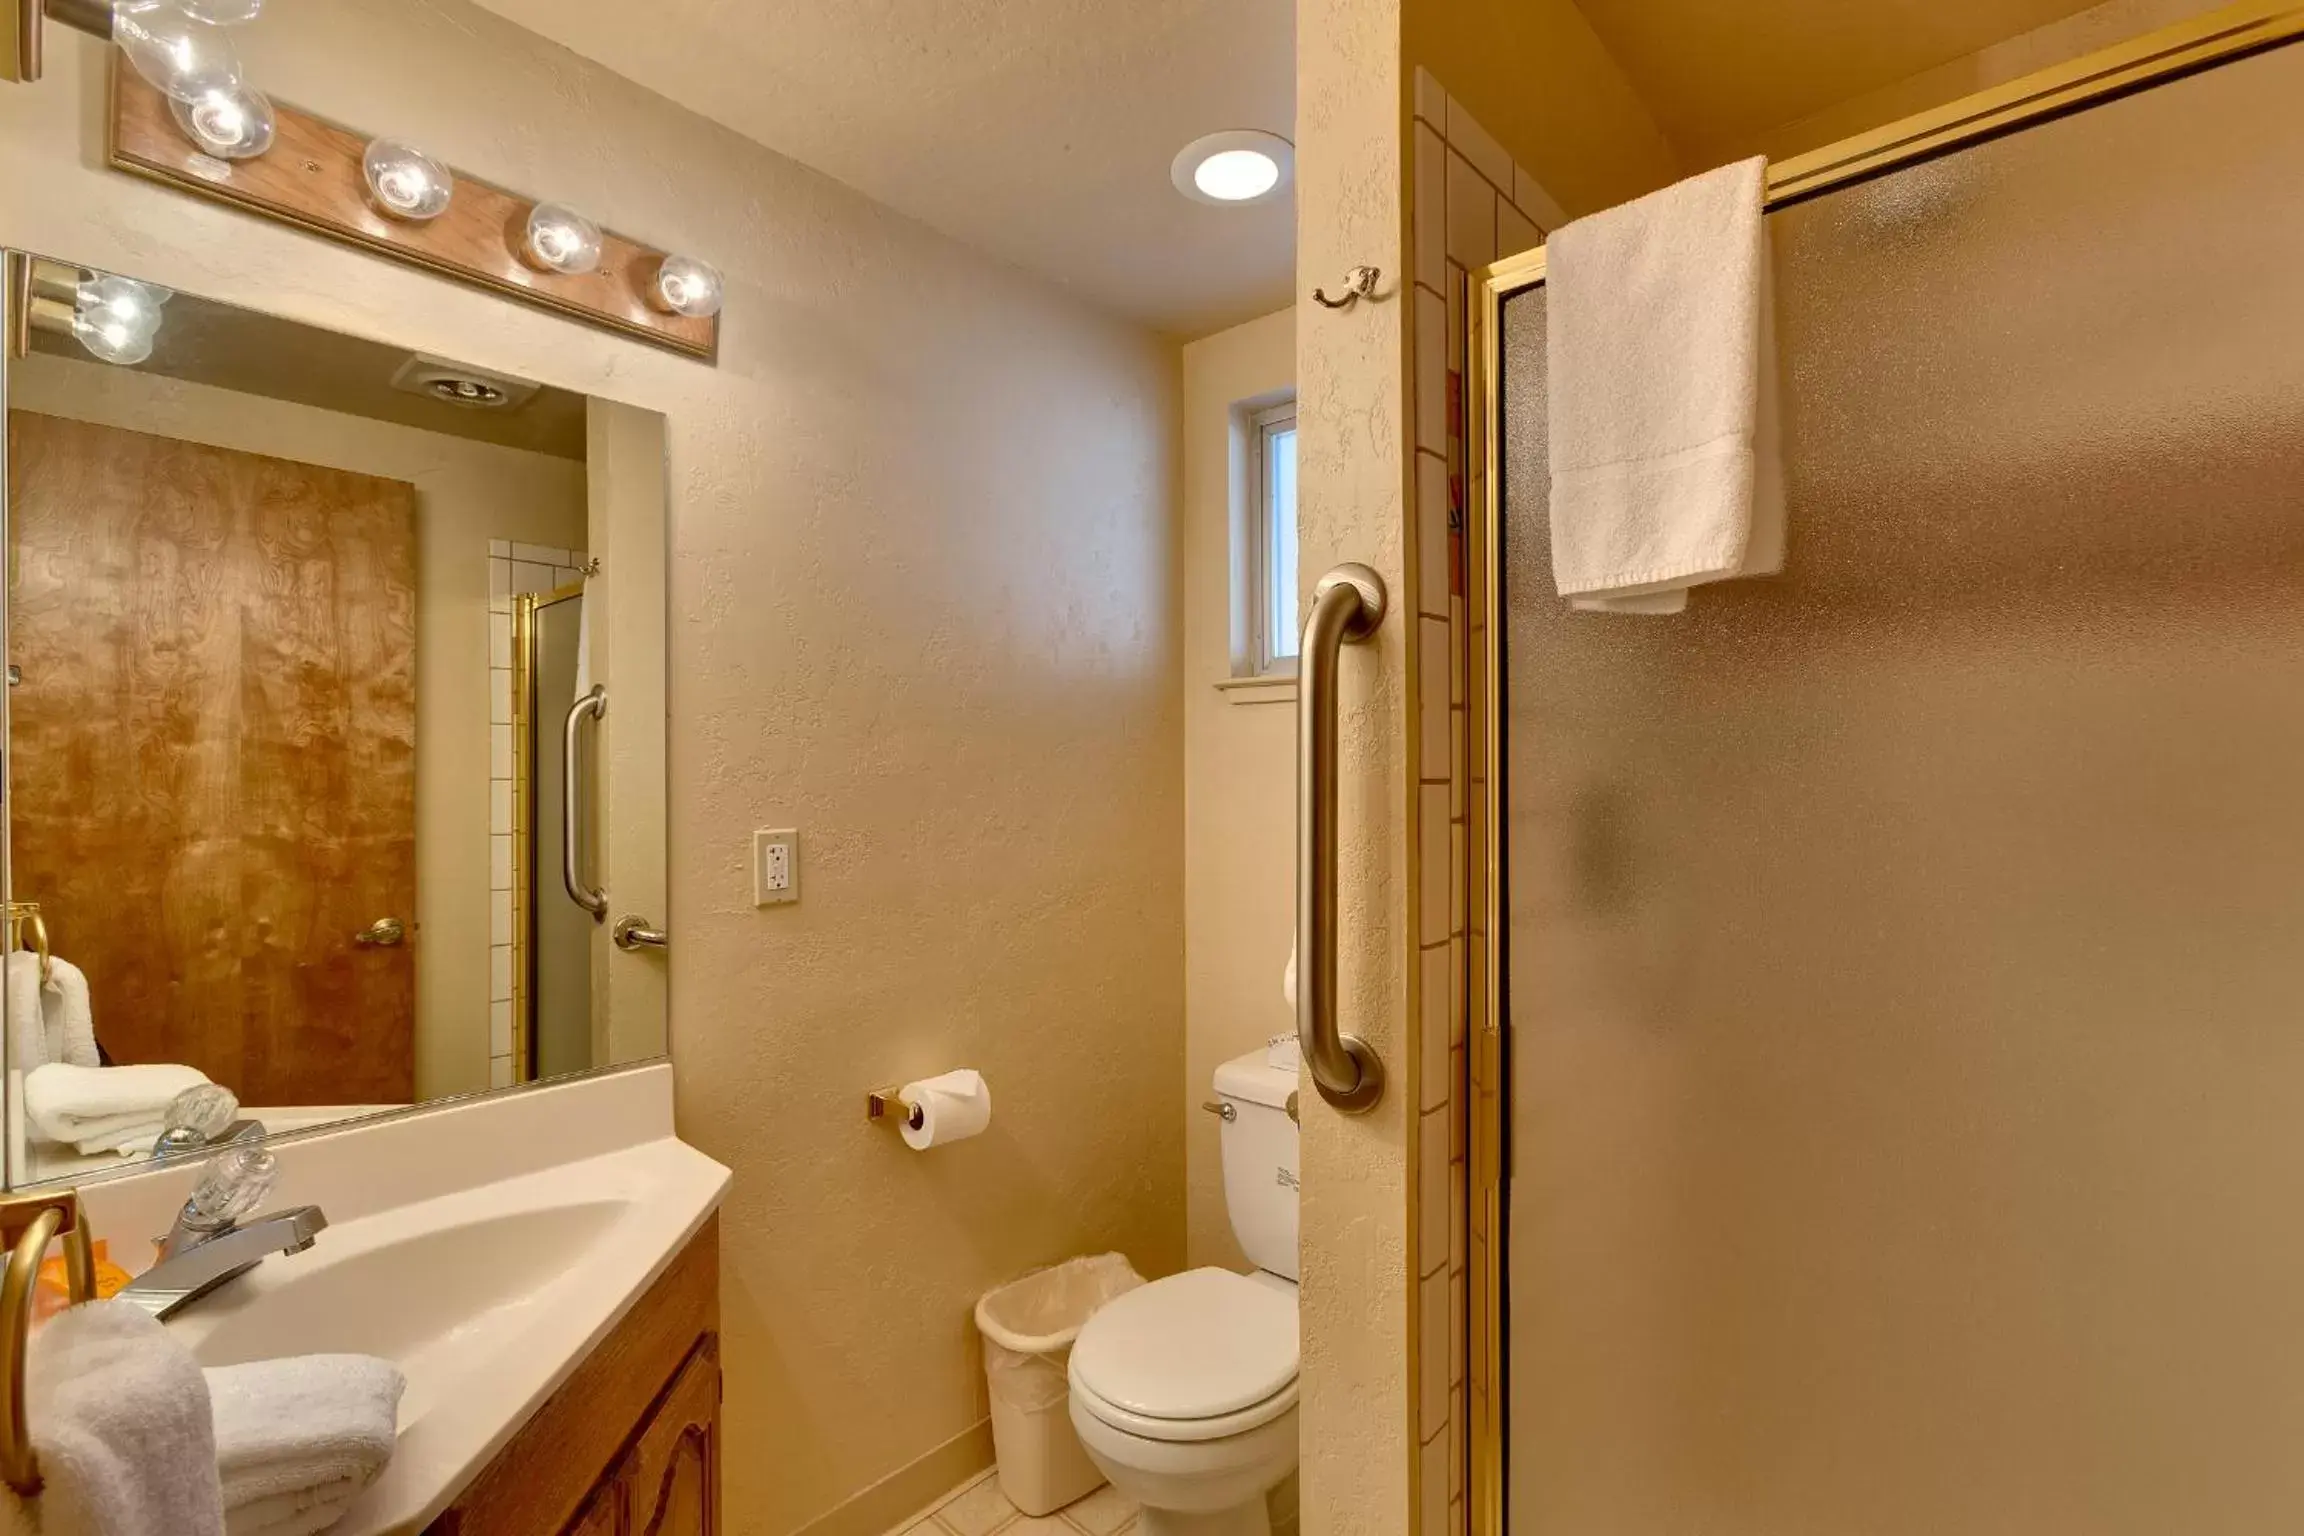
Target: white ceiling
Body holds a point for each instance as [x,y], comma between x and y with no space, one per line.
[1040,131]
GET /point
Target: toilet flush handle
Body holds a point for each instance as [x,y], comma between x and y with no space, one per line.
[1222,1109]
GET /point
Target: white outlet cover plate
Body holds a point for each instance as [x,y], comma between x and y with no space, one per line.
[765,843]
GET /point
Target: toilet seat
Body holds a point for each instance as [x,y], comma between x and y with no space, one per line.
[1198,1356]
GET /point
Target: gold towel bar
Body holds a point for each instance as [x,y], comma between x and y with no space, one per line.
[31,1221]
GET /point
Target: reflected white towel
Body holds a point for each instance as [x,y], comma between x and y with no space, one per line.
[27,1029]
[103,1109]
[1660,358]
[71,1027]
[298,1440]
[121,1423]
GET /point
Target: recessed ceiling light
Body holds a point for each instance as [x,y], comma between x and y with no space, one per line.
[1237,166]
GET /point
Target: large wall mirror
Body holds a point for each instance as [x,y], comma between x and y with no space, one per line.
[335,726]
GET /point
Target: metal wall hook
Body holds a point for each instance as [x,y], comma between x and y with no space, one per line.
[1359,283]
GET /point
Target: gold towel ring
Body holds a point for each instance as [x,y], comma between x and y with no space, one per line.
[48,1215]
[26,914]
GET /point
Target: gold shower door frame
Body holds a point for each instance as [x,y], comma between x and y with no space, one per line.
[2230,33]
[524,770]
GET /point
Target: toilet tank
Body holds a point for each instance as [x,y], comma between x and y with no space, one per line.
[1259,1147]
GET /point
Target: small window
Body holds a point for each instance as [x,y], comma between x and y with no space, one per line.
[1272,542]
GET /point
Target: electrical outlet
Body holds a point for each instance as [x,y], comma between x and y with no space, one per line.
[775,867]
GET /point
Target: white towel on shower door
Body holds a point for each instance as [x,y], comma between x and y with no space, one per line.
[1660,358]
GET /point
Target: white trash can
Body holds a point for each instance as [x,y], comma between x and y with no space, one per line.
[1028,1327]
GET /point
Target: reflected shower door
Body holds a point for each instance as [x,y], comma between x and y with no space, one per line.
[1906,954]
[561,939]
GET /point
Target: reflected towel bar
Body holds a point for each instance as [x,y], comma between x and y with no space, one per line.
[1348,604]
[591,898]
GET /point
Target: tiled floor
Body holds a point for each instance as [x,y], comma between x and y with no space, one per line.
[978,1508]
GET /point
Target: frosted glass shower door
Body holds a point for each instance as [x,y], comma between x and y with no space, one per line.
[1905,974]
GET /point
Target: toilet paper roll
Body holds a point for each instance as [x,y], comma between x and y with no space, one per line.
[951,1106]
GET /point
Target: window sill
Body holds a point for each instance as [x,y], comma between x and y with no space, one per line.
[1258,690]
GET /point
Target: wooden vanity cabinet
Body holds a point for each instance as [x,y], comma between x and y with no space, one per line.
[630,1444]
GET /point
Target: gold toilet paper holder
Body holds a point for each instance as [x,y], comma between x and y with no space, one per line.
[888,1106]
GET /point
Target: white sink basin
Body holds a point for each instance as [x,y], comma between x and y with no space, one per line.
[486,1296]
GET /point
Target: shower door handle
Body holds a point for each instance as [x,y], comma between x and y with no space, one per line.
[1348,604]
[572,860]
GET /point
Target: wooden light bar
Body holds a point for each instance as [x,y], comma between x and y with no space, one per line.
[311,178]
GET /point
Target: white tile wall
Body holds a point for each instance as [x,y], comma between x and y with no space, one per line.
[513,569]
[1471,205]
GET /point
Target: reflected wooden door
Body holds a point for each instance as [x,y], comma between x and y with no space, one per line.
[214,772]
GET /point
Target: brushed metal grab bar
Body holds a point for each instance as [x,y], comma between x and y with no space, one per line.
[1348,604]
[590,898]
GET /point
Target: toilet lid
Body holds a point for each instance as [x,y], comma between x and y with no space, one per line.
[1199,1345]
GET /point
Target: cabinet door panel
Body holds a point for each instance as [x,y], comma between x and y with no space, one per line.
[673,1473]
[602,1514]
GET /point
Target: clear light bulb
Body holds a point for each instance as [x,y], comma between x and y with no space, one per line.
[405,182]
[112,341]
[231,125]
[178,53]
[121,305]
[562,240]
[686,286]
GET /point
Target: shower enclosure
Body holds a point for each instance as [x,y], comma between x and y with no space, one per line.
[1892,1067]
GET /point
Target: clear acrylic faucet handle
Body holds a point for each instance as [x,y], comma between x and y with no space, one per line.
[236,1182]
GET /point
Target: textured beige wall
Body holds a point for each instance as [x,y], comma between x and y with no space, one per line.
[1537,77]
[466,494]
[1239,768]
[1352,454]
[923,601]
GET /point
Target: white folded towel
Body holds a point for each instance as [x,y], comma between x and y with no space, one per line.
[71,1027]
[27,1020]
[297,1440]
[120,1420]
[1660,358]
[104,1109]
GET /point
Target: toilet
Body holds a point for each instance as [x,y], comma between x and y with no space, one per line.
[1184,1390]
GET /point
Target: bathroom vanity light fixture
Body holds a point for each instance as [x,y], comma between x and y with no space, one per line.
[1236,167]
[389,198]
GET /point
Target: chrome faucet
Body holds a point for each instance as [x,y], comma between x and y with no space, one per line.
[215,1240]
